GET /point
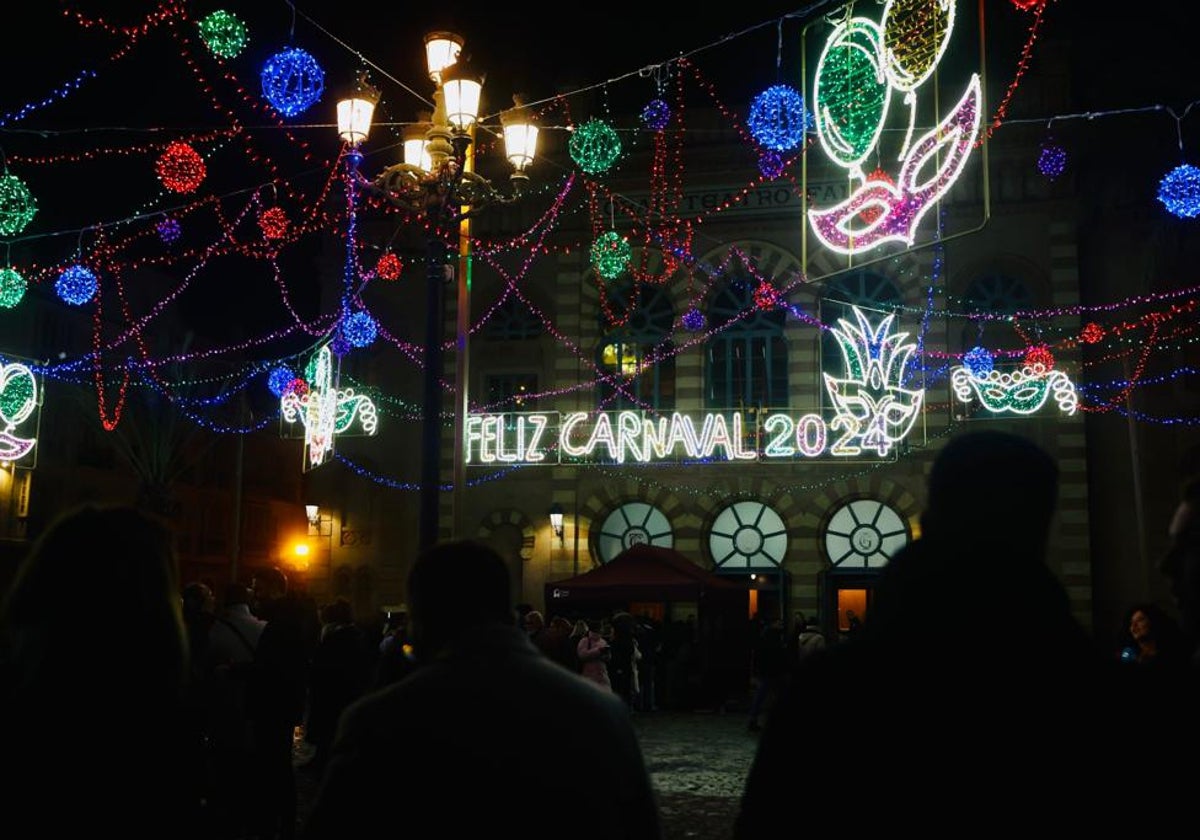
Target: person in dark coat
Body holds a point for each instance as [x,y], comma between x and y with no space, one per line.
[968,665]
[483,701]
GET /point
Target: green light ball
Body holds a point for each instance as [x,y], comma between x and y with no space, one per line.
[12,288]
[594,146]
[17,205]
[224,34]
[610,254]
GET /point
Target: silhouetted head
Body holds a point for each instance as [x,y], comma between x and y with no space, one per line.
[454,589]
[270,583]
[992,486]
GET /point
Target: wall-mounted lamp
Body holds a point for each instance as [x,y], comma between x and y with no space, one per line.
[556,522]
[318,525]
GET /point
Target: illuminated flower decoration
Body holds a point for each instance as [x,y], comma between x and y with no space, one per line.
[274,223]
[180,168]
[12,288]
[279,379]
[873,211]
[1039,355]
[292,81]
[1091,333]
[224,34]
[766,296]
[17,205]
[1052,161]
[979,362]
[389,267]
[611,253]
[770,164]
[1179,191]
[359,329]
[594,146]
[777,118]
[76,285]
[168,230]
[656,115]
[693,320]
[297,386]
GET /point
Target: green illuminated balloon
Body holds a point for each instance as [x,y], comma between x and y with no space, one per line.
[17,205]
[851,92]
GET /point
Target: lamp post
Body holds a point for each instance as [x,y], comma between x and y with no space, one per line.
[437,179]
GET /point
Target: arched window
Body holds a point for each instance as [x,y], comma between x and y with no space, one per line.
[747,353]
[865,289]
[994,294]
[863,534]
[747,536]
[630,524]
[636,361]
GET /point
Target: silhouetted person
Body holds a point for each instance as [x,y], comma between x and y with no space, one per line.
[446,738]
[93,669]
[1181,564]
[341,671]
[278,697]
[970,688]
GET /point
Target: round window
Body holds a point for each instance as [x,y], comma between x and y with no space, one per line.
[630,524]
[864,534]
[746,536]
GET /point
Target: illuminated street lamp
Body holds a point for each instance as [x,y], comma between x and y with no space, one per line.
[437,179]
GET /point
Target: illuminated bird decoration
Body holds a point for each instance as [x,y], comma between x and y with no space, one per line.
[872,406]
[325,410]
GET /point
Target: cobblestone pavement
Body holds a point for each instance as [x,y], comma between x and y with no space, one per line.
[697,761]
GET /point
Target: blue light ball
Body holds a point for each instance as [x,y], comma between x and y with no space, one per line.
[656,115]
[693,320]
[1179,191]
[359,329]
[279,379]
[76,285]
[168,230]
[770,164]
[292,81]
[979,362]
[777,118]
[1052,161]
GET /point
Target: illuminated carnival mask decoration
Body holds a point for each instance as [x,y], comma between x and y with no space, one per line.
[872,406]
[861,65]
[325,410]
[1021,391]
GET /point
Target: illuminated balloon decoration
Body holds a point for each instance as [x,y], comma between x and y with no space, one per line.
[594,146]
[656,115]
[611,253]
[1179,191]
[223,33]
[292,81]
[17,205]
[861,65]
[180,168]
[12,288]
[273,222]
[389,267]
[76,285]
[777,118]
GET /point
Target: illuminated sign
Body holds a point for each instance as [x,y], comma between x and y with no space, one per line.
[871,413]
[18,404]
[324,409]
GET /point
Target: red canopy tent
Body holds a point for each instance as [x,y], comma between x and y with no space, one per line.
[664,583]
[645,573]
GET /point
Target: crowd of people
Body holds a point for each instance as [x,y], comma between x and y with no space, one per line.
[195,697]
